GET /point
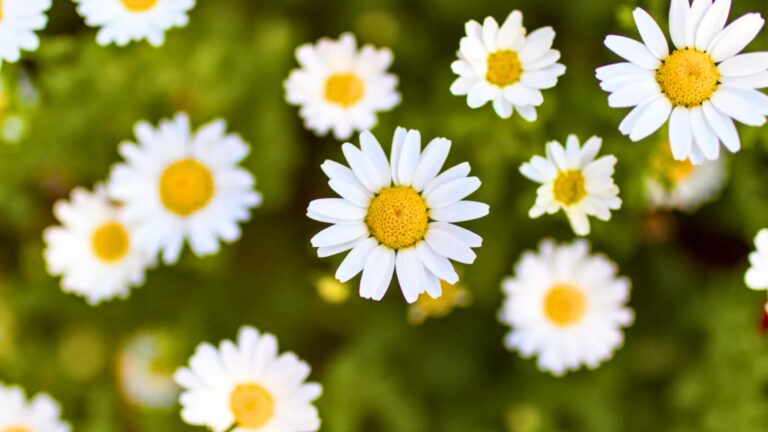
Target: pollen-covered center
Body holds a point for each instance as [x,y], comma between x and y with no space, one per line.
[345,89]
[569,187]
[139,5]
[110,242]
[186,186]
[252,406]
[398,217]
[504,68]
[17,429]
[564,305]
[688,77]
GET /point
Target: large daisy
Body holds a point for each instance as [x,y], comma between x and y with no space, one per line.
[340,88]
[700,85]
[503,65]
[40,414]
[566,307]
[574,181]
[181,185]
[398,215]
[94,249]
[123,21]
[19,20]
[248,387]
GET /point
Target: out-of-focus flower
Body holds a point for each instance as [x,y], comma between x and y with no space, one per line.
[566,307]
[524,418]
[179,185]
[82,353]
[756,277]
[505,66]
[19,20]
[427,307]
[248,386]
[40,414]
[340,88]
[145,368]
[331,290]
[398,216]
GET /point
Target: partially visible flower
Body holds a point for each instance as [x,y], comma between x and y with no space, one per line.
[331,290]
[574,181]
[340,88]
[40,414]
[19,20]
[145,370]
[756,277]
[427,307]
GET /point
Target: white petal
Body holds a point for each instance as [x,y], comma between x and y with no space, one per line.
[652,119]
[632,51]
[451,192]
[337,208]
[338,234]
[397,147]
[356,194]
[704,137]
[355,260]
[698,10]
[744,64]
[436,263]
[723,127]
[409,158]
[490,31]
[471,239]
[619,69]
[634,94]
[431,162]
[678,15]
[736,37]
[457,171]
[755,81]
[449,246]
[372,149]
[712,24]
[460,212]
[651,34]
[410,273]
[363,168]
[680,135]
[377,273]
[736,107]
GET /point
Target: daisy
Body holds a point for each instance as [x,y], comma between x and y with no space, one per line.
[505,66]
[94,249]
[144,371]
[574,181]
[398,215]
[248,386]
[123,21]
[341,88]
[756,277]
[700,86]
[19,19]
[41,414]
[566,307]
[181,185]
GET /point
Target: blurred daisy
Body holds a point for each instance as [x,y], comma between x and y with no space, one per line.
[341,88]
[565,306]
[123,21]
[144,370]
[427,307]
[41,414]
[756,277]
[19,19]
[398,216]
[248,386]
[182,185]
[574,181]
[94,249]
[504,66]
[701,86]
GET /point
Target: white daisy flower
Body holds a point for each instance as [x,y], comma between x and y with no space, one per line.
[701,85]
[398,215]
[574,181]
[19,20]
[179,185]
[756,277]
[566,307]
[505,66]
[144,372]
[341,88]
[248,387]
[94,249]
[41,414]
[123,21]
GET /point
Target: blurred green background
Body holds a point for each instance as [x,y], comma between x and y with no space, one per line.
[696,359]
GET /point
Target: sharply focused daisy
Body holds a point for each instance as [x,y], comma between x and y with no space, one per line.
[41,414]
[398,215]
[574,181]
[249,387]
[566,307]
[19,20]
[340,88]
[505,66]
[123,21]
[94,249]
[181,185]
[757,275]
[701,85]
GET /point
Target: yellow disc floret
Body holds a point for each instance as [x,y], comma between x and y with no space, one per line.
[252,406]
[186,186]
[345,89]
[398,217]
[688,77]
[504,68]
[110,242]
[569,187]
[564,305]
[139,5]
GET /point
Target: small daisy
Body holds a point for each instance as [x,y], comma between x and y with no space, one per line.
[701,85]
[565,306]
[249,387]
[180,185]
[756,277]
[41,414]
[94,249]
[144,370]
[398,215]
[572,180]
[506,66]
[454,296]
[19,19]
[123,21]
[341,88]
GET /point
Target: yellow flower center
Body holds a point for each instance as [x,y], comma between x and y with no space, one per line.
[139,5]
[669,170]
[504,68]
[564,305]
[252,405]
[452,296]
[186,186]
[1,10]
[110,242]
[569,187]
[397,217]
[16,428]
[345,89]
[688,77]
